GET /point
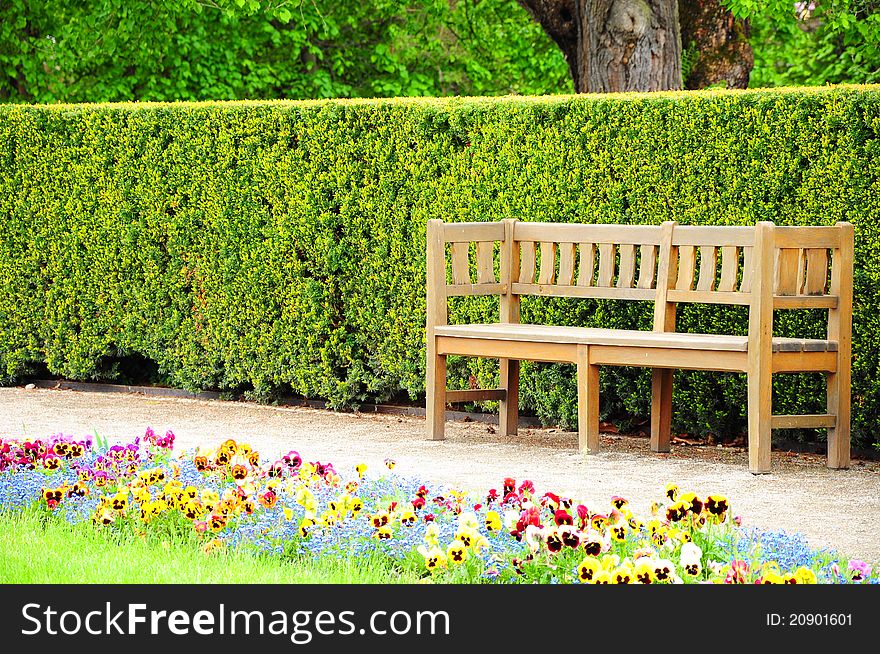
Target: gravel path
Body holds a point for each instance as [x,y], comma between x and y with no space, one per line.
[840,509]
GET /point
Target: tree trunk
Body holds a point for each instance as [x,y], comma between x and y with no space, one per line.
[716,46]
[615,45]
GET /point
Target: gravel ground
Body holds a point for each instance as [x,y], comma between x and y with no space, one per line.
[838,509]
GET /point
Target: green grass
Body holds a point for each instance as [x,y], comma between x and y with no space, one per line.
[36,550]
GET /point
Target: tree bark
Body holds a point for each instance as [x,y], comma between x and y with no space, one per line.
[615,45]
[716,46]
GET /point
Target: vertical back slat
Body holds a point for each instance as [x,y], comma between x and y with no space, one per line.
[485,262]
[607,259]
[527,262]
[548,263]
[566,264]
[647,266]
[686,263]
[627,265]
[817,271]
[746,285]
[729,266]
[587,264]
[789,271]
[461,269]
[708,266]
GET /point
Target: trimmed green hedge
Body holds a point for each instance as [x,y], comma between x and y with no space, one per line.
[279,246]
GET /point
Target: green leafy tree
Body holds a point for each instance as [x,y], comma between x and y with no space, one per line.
[814,42]
[102,50]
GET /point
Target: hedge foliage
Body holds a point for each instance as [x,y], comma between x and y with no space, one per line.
[279,246]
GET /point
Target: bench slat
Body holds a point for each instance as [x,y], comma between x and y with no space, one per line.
[789,271]
[587,265]
[599,292]
[805,301]
[647,266]
[686,262]
[548,263]
[607,261]
[566,263]
[453,290]
[807,237]
[527,262]
[485,262]
[461,270]
[580,233]
[709,297]
[627,265]
[817,271]
[748,271]
[470,232]
[729,268]
[815,421]
[708,267]
[713,235]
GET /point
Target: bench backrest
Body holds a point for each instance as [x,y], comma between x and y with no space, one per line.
[763,266]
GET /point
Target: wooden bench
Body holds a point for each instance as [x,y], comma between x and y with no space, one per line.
[763,267]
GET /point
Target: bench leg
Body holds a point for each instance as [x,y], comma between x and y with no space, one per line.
[661,409]
[508,411]
[760,415]
[839,406]
[435,403]
[588,402]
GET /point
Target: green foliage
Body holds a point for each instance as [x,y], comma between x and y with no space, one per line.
[94,51]
[84,554]
[813,43]
[279,246]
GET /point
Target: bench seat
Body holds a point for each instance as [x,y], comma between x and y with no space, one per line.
[625,337]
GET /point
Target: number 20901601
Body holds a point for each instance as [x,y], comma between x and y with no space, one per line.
[809,620]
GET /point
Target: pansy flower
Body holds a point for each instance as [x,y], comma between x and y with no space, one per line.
[603,577]
[644,570]
[663,570]
[694,504]
[554,542]
[360,469]
[493,521]
[268,499]
[623,574]
[718,506]
[456,552]
[593,544]
[804,575]
[201,463]
[676,511]
[858,570]
[239,472]
[380,519]
[588,569]
[408,518]
[562,517]
[619,502]
[569,536]
[390,463]
[618,531]
[51,462]
[672,491]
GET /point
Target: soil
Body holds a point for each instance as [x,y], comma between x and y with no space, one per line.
[838,509]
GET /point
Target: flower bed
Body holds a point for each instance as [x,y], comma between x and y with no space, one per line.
[230,496]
